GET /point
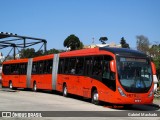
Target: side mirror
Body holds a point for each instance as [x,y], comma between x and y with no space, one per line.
[113,66]
[153,68]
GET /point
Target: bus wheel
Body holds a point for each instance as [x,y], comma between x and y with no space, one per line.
[34,87]
[95,97]
[10,85]
[65,91]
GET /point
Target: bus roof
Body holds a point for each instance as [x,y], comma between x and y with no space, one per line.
[90,51]
[85,52]
[16,61]
[45,57]
[124,52]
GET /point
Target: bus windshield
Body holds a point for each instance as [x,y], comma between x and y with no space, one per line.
[134,74]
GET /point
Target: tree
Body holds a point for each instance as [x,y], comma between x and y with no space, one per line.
[30,53]
[81,46]
[27,53]
[154,52]
[72,42]
[142,44]
[38,53]
[52,51]
[8,57]
[103,40]
[123,43]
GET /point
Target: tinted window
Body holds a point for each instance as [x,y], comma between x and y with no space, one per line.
[61,66]
[35,68]
[14,69]
[48,64]
[97,66]
[80,66]
[108,77]
[72,65]
[88,65]
[42,67]
[6,69]
[66,66]
[23,69]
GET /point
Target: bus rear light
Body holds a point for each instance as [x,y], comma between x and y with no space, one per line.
[121,92]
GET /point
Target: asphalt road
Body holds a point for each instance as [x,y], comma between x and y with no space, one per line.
[21,100]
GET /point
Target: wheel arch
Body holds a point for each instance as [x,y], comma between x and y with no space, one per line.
[93,89]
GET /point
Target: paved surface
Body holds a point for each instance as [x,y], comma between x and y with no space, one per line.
[21,100]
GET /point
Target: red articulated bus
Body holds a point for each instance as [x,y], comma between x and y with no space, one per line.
[114,75]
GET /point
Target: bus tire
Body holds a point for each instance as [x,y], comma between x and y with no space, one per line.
[10,85]
[65,90]
[95,97]
[34,87]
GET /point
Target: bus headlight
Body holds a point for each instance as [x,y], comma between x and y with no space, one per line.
[151,93]
[121,92]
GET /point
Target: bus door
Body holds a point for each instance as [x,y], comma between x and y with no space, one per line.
[79,75]
[37,74]
[61,72]
[15,77]
[48,64]
[73,70]
[88,63]
[42,79]
[22,74]
[45,74]
[73,79]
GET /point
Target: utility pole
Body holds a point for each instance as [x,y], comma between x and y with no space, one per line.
[93,40]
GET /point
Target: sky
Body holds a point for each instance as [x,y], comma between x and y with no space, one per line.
[55,20]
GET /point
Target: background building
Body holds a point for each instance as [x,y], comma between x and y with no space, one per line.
[103,45]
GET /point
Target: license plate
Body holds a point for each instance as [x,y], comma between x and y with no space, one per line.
[137,100]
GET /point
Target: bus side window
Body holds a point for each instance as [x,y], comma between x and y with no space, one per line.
[41,67]
[6,69]
[23,69]
[80,66]
[107,74]
[45,64]
[106,70]
[49,65]
[15,69]
[34,68]
[66,66]
[88,66]
[97,66]
[108,77]
[61,66]
[72,65]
